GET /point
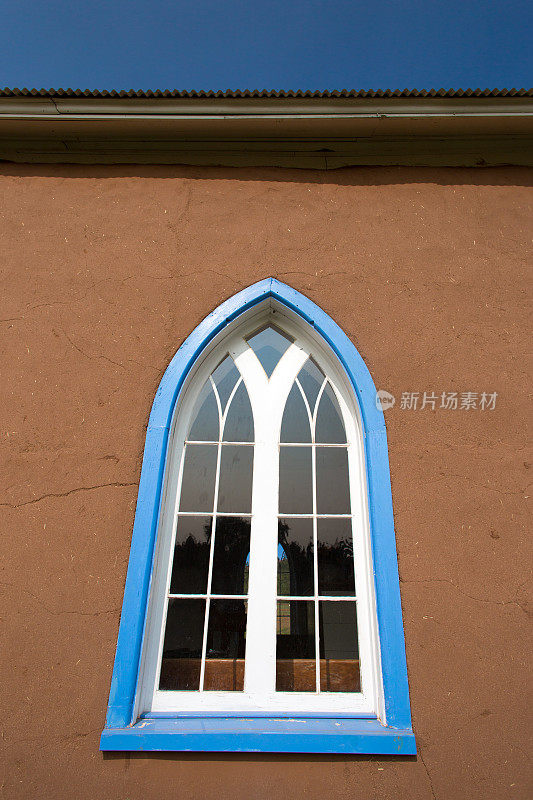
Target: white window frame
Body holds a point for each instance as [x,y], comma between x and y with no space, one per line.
[268,401]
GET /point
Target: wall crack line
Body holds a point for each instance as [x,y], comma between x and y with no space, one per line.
[66,494]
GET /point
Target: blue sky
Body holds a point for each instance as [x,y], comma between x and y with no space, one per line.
[272,44]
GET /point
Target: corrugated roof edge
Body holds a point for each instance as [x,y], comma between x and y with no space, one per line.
[268,93]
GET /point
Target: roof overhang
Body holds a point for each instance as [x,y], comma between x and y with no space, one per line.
[320,132]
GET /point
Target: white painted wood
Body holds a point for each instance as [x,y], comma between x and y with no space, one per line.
[307,702]
[267,399]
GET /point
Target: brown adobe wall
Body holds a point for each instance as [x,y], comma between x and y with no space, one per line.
[105,270]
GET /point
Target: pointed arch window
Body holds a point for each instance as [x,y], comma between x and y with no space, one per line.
[260,603]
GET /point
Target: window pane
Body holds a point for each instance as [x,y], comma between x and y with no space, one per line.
[182,649]
[295,424]
[239,426]
[332,489]
[311,378]
[295,557]
[198,482]
[226,639]
[204,426]
[335,557]
[269,345]
[329,425]
[235,486]
[295,646]
[225,377]
[339,650]
[191,556]
[232,545]
[295,486]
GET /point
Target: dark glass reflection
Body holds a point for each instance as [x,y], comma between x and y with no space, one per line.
[225,377]
[182,648]
[339,649]
[204,426]
[332,487]
[226,639]
[232,545]
[239,425]
[198,482]
[295,646]
[295,557]
[335,557]
[295,480]
[235,482]
[311,378]
[269,345]
[295,424]
[191,556]
[329,425]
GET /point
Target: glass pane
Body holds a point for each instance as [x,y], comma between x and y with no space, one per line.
[182,649]
[295,486]
[332,487]
[339,650]
[269,345]
[235,483]
[191,556]
[329,425]
[311,378]
[335,557]
[295,646]
[198,482]
[232,545]
[226,638]
[225,377]
[204,426]
[239,425]
[295,424]
[295,557]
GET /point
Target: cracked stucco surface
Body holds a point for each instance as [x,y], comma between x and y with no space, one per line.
[104,272]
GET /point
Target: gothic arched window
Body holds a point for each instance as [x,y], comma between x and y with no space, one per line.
[259,590]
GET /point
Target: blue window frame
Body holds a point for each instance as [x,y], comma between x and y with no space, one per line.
[262,732]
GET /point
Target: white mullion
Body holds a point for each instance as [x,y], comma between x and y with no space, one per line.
[249,444]
[309,415]
[226,411]
[315,534]
[315,560]
[318,398]
[267,398]
[219,406]
[221,419]
[207,513]
[309,597]
[212,596]
[306,516]
[298,444]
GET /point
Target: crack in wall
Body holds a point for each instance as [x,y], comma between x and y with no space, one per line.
[465,594]
[67,493]
[54,613]
[433,795]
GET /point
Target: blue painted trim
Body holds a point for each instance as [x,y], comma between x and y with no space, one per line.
[131,631]
[273,735]
[252,714]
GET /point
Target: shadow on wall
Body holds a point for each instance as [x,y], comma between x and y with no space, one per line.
[343,176]
[268,758]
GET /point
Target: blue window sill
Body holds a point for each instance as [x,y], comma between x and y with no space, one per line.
[260,735]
